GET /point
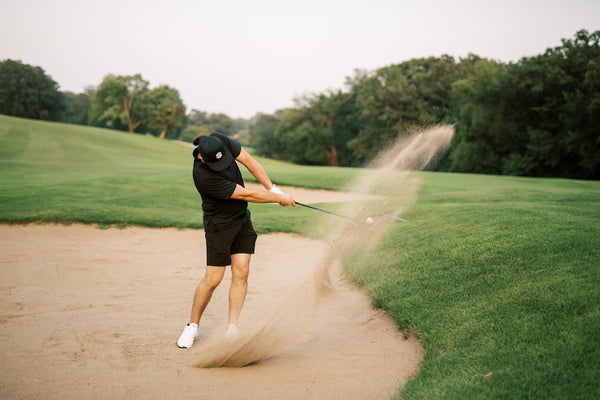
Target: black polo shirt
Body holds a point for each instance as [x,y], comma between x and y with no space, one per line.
[216,188]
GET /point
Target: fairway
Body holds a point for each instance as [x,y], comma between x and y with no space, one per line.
[497,276]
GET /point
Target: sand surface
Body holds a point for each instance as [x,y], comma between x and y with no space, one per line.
[95,314]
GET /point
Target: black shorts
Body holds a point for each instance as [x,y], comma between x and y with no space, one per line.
[225,239]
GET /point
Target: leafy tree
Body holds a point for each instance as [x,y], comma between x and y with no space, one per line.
[197,117]
[563,117]
[319,129]
[214,122]
[167,109]
[481,128]
[396,98]
[261,132]
[26,91]
[222,123]
[191,131]
[77,106]
[121,102]
[298,138]
[537,117]
[242,123]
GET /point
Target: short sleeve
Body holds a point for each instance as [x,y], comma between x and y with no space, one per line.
[216,186]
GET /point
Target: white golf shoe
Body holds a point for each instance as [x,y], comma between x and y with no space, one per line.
[190,332]
[232,332]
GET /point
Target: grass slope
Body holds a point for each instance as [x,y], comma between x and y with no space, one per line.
[53,172]
[498,276]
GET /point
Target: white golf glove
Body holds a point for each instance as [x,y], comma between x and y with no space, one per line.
[276,190]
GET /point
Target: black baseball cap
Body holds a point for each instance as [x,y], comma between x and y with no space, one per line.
[214,153]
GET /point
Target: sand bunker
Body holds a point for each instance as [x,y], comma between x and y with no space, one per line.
[95,314]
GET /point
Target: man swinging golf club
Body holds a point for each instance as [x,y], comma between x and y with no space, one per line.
[230,237]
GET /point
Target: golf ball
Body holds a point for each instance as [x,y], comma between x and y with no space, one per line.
[369,220]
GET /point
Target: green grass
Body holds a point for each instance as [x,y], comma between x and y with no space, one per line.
[61,173]
[497,276]
[311,177]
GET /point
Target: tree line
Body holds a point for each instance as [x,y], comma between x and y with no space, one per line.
[535,117]
[119,102]
[539,116]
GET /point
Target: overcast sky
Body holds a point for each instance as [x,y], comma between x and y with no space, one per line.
[242,57]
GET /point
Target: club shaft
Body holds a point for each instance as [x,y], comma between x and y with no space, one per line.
[325,211]
[396,218]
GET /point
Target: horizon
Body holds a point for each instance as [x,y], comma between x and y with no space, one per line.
[241,58]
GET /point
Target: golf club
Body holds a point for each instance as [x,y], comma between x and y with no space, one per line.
[386,213]
[325,211]
[368,221]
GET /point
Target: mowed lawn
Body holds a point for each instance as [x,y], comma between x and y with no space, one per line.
[498,277]
[52,172]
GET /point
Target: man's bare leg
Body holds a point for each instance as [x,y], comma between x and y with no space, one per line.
[204,292]
[240,266]
[202,296]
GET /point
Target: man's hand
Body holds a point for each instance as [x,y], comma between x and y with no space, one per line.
[287,200]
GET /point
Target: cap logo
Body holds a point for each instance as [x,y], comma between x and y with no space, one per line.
[219,155]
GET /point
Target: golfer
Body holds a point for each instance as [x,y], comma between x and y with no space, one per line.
[229,234]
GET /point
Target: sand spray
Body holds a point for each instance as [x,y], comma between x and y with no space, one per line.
[389,180]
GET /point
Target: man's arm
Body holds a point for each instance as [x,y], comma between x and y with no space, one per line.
[261,196]
[255,169]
